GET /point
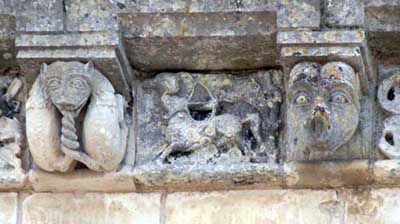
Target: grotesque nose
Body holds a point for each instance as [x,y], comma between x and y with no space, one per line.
[320,116]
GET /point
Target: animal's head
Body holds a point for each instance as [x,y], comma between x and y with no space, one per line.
[323,105]
[68,84]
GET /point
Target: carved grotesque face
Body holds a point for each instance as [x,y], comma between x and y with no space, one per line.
[323,105]
[67,86]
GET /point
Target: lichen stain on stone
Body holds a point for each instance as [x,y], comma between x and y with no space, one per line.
[364,204]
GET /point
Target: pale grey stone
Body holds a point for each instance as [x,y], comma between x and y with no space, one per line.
[102,48]
[344,13]
[182,117]
[90,15]
[40,15]
[58,143]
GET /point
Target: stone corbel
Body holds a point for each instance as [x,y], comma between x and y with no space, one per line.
[324,46]
[337,123]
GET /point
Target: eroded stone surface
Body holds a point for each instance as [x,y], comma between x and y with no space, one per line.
[8,208]
[344,13]
[91,208]
[96,137]
[271,206]
[379,206]
[208,118]
[83,181]
[323,112]
[11,130]
[90,15]
[40,15]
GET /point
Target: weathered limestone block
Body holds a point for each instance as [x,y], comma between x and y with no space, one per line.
[40,15]
[205,120]
[11,130]
[253,207]
[89,16]
[386,172]
[326,174]
[344,13]
[7,33]
[83,181]
[91,208]
[59,135]
[210,34]
[379,206]
[383,24]
[200,41]
[8,208]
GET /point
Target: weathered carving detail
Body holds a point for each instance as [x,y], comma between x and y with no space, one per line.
[210,118]
[64,89]
[389,99]
[323,110]
[11,137]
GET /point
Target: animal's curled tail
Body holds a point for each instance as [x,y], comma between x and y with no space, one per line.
[70,143]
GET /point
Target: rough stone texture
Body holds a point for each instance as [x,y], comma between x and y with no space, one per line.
[186,115]
[382,21]
[344,13]
[40,15]
[250,207]
[11,129]
[89,15]
[83,181]
[387,117]
[386,172]
[328,175]
[323,107]
[8,208]
[91,208]
[97,137]
[200,41]
[380,206]
[7,33]
[211,177]
[103,49]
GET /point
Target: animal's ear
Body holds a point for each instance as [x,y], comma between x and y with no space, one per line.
[89,68]
[43,68]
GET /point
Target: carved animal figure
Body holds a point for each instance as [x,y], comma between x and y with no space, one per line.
[64,89]
[187,134]
[323,109]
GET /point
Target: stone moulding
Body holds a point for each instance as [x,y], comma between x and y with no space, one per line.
[293,175]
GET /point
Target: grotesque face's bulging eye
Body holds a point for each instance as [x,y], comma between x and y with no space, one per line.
[339,98]
[301,99]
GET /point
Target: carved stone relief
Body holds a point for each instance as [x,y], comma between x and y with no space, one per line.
[73,115]
[190,118]
[323,112]
[389,99]
[11,133]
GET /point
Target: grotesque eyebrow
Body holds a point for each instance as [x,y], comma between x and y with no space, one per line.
[340,72]
[299,86]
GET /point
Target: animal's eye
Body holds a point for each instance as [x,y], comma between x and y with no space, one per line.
[53,84]
[79,83]
[301,99]
[339,97]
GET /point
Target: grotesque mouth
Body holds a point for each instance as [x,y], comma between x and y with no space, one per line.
[64,106]
[320,128]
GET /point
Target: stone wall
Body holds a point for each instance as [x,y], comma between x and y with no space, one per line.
[213,111]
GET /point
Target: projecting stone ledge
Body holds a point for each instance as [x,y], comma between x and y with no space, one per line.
[209,35]
[102,48]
